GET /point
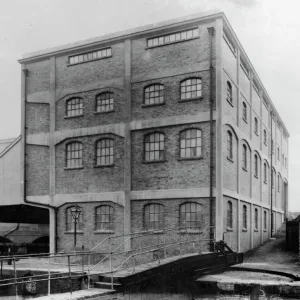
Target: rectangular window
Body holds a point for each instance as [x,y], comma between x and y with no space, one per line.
[173,38]
[84,57]
[229,42]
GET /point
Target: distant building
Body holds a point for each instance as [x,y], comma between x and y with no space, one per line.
[121,124]
[24,226]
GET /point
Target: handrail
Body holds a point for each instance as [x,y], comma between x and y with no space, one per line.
[149,232]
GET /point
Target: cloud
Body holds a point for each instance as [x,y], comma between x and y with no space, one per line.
[248,3]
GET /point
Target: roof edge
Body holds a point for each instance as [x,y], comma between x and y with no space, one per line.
[119,35]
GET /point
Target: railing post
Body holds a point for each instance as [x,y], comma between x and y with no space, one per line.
[111,269]
[49,276]
[89,268]
[69,267]
[15,277]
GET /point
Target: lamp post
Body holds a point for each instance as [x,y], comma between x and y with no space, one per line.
[75,212]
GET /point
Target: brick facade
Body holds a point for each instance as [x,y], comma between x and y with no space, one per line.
[130,182]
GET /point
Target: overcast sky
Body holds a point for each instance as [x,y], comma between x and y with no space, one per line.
[268,30]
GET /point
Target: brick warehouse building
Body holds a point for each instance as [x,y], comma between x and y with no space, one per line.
[121,125]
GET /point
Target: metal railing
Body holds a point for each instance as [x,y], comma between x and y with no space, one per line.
[112,256]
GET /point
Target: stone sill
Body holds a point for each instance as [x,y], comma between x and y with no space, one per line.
[244,230]
[191,99]
[73,232]
[104,232]
[104,166]
[230,159]
[265,230]
[255,230]
[244,169]
[154,161]
[71,117]
[245,120]
[256,176]
[256,133]
[103,112]
[153,105]
[73,168]
[190,158]
[229,229]
[229,102]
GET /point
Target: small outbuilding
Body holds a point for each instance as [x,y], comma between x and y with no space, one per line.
[292,234]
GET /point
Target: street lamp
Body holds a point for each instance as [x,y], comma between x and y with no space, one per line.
[75,212]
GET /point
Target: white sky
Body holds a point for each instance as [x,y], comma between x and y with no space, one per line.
[268,30]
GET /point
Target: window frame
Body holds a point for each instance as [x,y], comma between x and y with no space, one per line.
[244,157]
[159,142]
[110,148]
[278,182]
[245,114]
[79,158]
[256,125]
[80,109]
[185,139]
[98,218]
[245,218]
[265,221]
[154,85]
[185,81]
[229,215]
[255,219]
[265,137]
[105,105]
[256,165]
[197,213]
[265,173]
[229,93]
[147,222]
[229,145]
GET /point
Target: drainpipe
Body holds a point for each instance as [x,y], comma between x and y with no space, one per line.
[272,183]
[25,71]
[211,32]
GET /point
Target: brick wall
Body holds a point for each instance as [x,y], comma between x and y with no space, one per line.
[145,61]
[37,170]
[172,173]
[90,179]
[88,237]
[172,104]
[37,116]
[90,117]
[93,72]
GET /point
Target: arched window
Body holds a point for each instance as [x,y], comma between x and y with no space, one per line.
[74,107]
[244,156]
[255,165]
[256,125]
[256,219]
[154,94]
[154,147]
[245,111]
[265,173]
[265,137]
[229,215]
[273,179]
[272,146]
[265,220]
[74,155]
[154,218]
[229,145]
[104,218]
[190,215]
[278,183]
[245,217]
[229,92]
[190,143]
[105,102]
[191,89]
[70,221]
[278,153]
[104,152]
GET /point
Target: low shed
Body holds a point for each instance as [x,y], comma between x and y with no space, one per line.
[292,234]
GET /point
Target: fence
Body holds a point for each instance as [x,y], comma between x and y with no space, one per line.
[56,273]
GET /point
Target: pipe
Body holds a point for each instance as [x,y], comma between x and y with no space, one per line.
[272,183]
[211,31]
[25,71]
